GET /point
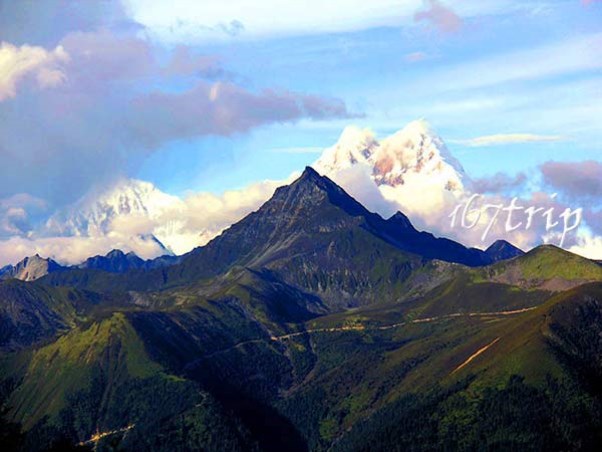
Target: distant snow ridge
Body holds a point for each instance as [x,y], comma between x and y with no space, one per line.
[411,170]
[93,215]
[412,152]
[130,207]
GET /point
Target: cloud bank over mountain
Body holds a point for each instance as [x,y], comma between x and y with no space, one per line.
[98,98]
[411,171]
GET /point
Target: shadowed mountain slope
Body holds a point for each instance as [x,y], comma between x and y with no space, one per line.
[501,250]
[312,224]
[311,324]
[116,261]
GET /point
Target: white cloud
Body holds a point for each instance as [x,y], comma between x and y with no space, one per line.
[507,138]
[112,117]
[16,212]
[429,206]
[588,245]
[428,189]
[190,20]
[18,63]
[73,250]
[205,215]
[128,215]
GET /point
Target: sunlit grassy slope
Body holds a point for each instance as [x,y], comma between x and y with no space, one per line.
[202,360]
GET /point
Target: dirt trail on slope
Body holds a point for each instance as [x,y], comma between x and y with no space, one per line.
[341,329]
[397,325]
[474,355]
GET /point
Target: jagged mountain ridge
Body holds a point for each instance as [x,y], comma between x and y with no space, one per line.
[313,204]
[308,209]
[259,320]
[116,261]
[35,267]
[312,235]
[412,155]
[31,268]
[241,346]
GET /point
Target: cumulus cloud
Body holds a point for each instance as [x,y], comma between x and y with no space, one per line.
[109,114]
[116,98]
[434,213]
[358,182]
[208,214]
[17,212]
[442,17]
[588,245]
[130,216]
[129,220]
[508,138]
[222,108]
[74,250]
[193,220]
[575,179]
[18,64]
[434,204]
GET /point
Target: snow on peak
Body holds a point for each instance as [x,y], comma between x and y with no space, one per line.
[414,151]
[354,146]
[94,214]
[418,127]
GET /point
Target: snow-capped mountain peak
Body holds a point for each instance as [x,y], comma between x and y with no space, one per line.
[354,146]
[132,214]
[386,175]
[416,150]
[30,268]
[94,214]
[413,151]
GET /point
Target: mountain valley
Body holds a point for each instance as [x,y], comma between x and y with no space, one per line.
[311,324]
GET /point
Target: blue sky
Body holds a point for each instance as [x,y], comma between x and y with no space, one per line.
[204,96]
[392,75]
[501,67]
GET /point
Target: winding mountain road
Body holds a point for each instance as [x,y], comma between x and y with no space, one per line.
[341,329]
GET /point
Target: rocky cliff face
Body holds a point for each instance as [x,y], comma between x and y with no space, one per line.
[30,269]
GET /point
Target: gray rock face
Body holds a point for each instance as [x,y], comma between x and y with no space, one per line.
[30,269]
